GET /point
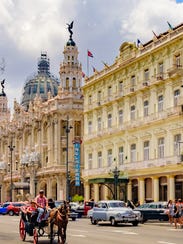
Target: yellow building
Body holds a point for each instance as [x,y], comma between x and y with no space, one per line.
[133,123]
[37,149]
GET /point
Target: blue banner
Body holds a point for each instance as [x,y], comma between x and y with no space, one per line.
[77,160]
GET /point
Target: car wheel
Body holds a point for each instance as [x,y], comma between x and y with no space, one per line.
[113,222]
[11,213]
[94,222]
[73,218]
[135,223]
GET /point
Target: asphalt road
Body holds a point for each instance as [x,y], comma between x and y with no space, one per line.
[82,232]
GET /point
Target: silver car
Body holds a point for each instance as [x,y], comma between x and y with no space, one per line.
[115,212]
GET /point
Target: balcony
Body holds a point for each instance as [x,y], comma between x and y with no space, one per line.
[175,70]
[148,164]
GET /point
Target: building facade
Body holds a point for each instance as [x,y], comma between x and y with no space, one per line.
[36,149]
[133,123]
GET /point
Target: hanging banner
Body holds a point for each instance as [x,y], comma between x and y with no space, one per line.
[77,161]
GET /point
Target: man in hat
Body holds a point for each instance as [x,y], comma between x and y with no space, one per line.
[42,204]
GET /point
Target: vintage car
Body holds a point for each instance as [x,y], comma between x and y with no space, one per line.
[153,211]
[115,212]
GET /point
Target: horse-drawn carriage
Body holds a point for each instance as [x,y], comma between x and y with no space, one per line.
[55,225]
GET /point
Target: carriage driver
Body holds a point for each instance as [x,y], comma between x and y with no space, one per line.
[42,204]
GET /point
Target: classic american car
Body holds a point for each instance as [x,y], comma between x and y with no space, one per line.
[115,212]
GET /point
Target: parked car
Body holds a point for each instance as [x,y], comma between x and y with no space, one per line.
[83,209]
[3,207]
[11,208]
[115,212]
[153,211]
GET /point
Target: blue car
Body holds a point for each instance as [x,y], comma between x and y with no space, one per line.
[3,208]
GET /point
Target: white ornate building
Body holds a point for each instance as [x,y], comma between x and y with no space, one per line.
[33,144]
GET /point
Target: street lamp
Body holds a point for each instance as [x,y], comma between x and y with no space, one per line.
[116,173]
[11,147]
[67,131]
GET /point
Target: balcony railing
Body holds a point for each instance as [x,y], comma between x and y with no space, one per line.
[148,164]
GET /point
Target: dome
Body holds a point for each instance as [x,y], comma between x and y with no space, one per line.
[70,43]
[40,84]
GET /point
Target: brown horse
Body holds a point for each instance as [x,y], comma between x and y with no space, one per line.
[59,217]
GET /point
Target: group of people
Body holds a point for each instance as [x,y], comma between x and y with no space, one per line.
[175,212]
[42,205]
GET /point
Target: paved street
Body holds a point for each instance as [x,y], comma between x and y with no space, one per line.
[82,232]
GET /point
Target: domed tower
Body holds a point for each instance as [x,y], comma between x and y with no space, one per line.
[40,84]
[4,111]
[70,69]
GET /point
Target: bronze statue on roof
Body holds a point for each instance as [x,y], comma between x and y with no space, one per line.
[70,26]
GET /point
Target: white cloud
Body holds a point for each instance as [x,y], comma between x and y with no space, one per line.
[146,16]
[29,27]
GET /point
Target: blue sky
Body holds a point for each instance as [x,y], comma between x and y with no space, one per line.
[29,27]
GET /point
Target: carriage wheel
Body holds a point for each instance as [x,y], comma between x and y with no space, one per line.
[35,235]
[22,231]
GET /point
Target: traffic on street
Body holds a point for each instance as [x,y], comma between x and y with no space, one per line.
[82,231]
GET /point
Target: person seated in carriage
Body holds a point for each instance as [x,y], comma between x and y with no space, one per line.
[31,211]
[42,206]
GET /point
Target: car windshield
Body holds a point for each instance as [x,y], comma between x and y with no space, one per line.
[116,204]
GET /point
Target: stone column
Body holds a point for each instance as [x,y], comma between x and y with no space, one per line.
[86,190]
[156,189]
[60,192]
[129,190]
[141,192]
[171,187]
[56,139]
[49,188]
[105,192]
[96,192]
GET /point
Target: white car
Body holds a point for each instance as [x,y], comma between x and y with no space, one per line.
[115,212]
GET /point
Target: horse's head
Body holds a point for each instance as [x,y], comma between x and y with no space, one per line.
[63,210]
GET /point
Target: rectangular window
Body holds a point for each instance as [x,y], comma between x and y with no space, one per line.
[177,61]
[146,75]
[133,152]
[99,124]
[160,71]
[89,127]
[132,81]
[146,108]
[132,112]
[90,100]
[120,87]
[99,159]
[109,157]
[177,145]
[121,155]
[99,97]
[109,93]
[161,147]
[109,120]
[146,150]
[120,114]
[176,97]
[160,103]
[90,161]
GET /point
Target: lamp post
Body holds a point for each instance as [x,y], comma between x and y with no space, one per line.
[67,131]
[11,148]
[116,173]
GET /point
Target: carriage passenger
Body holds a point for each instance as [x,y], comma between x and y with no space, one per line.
[31,210]
[42,205]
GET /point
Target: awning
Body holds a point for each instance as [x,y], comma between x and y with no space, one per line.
[107,180]
[21,185]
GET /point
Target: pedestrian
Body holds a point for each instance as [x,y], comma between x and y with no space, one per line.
[42,205]
[176,213]
[170,211]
